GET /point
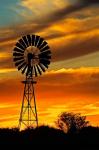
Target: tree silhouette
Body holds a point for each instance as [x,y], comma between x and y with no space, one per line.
[71,122]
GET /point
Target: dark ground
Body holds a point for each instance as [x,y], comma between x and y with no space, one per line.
[45,137]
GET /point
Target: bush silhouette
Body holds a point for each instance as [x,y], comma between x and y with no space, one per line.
[71,122]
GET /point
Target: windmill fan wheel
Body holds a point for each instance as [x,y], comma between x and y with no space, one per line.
[32,52]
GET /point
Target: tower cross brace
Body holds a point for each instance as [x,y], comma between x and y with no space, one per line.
[28,114]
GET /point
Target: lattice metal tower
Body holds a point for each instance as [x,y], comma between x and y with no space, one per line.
[32,56]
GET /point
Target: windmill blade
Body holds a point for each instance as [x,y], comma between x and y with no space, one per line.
[16,49]
[40,42]
[46,65]
[35,71]
[42,67]
[24,69]
[19,63]
[33,40]
[43,45]
[44,55]
[48,52]
[25,41]
[38,69]
[36,40]
[18,58]
[22,65]
[44,61]
[20,46]
[29,40]
[18,54]
[22,43]
[45,48]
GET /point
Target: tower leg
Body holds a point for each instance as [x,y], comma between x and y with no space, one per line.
[35,107]
[28,115]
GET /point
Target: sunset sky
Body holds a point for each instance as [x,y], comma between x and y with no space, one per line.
[71,84]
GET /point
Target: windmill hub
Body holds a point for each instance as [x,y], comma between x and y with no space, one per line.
[31,56]
[32,49]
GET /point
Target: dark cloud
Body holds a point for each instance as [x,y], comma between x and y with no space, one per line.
[19,30]
[54,35]
[62,13]
[76,47]
[88,2]
[95,76]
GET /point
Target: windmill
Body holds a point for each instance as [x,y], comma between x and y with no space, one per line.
[32,56]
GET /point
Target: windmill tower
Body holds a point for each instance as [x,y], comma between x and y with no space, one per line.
[32,56]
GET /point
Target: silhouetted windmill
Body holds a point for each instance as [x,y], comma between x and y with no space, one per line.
[32,56]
